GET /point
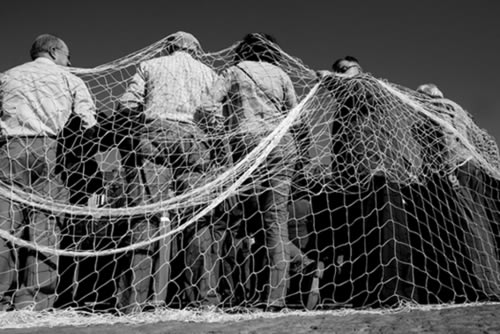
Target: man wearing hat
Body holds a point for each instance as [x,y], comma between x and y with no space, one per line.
[160,101]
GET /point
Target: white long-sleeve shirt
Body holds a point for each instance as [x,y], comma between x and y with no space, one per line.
[37,99]
[169,87]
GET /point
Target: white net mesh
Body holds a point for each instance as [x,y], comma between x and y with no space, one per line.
[225,181]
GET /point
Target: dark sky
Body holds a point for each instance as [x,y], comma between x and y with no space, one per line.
[454,44]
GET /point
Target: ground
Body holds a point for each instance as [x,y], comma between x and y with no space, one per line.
[454,319]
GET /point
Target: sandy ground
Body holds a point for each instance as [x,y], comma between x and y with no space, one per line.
[469,319]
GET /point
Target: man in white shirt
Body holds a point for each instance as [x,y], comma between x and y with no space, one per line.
[165,93]
[36,100]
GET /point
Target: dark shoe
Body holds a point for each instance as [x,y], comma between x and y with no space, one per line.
[6,304]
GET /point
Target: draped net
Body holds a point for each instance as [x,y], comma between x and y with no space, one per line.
[396,199]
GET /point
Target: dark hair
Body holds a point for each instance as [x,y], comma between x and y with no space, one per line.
[258,47]
[44,43]
[336,64]
[171,47]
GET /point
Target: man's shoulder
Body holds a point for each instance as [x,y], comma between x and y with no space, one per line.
[25,67]
[261,65]
[72,77]
[177,60]
[263,70]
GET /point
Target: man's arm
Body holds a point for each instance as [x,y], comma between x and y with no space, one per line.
[208,115]
[290,98]
[83,104]
[301,131]
[135,95]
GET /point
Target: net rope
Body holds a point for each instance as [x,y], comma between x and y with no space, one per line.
[333,191]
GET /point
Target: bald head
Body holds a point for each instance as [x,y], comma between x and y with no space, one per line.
[52,47]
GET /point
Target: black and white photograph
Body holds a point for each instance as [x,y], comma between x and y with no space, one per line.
[249,167]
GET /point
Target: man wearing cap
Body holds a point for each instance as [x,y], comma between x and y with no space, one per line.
[36,100]
[163,95]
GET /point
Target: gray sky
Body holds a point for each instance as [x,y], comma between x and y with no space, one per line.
[454,44]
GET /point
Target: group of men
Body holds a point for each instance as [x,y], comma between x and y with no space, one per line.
[50,129]
[419,219]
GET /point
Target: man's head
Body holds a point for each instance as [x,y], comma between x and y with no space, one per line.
[431,90]
[348,66]
[52,47]
[182,41]
[258,47]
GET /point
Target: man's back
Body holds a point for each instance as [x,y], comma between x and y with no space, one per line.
[170,87]
[38,98]
[262,93]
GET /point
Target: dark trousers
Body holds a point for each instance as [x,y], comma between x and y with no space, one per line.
[475,207]
[371,253]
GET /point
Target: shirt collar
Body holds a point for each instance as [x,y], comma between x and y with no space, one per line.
[44,60]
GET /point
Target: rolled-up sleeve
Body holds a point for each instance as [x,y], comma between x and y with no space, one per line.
[290,100]
[83,104]
[135,95]
[220,89]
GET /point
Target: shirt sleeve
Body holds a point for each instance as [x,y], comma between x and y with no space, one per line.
[135,95]
[211,105]
[83,104]
[221,87]
[290,100]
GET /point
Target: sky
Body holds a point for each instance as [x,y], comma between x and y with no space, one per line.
[452,43]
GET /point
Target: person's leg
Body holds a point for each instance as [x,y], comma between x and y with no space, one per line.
[190,159]
[41,267]
[201,274]
[12,169]
[142,262]
[202,271]
[275,215]
[480,238]
[395,253]
[67,265]
[10,220]
[135,281]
